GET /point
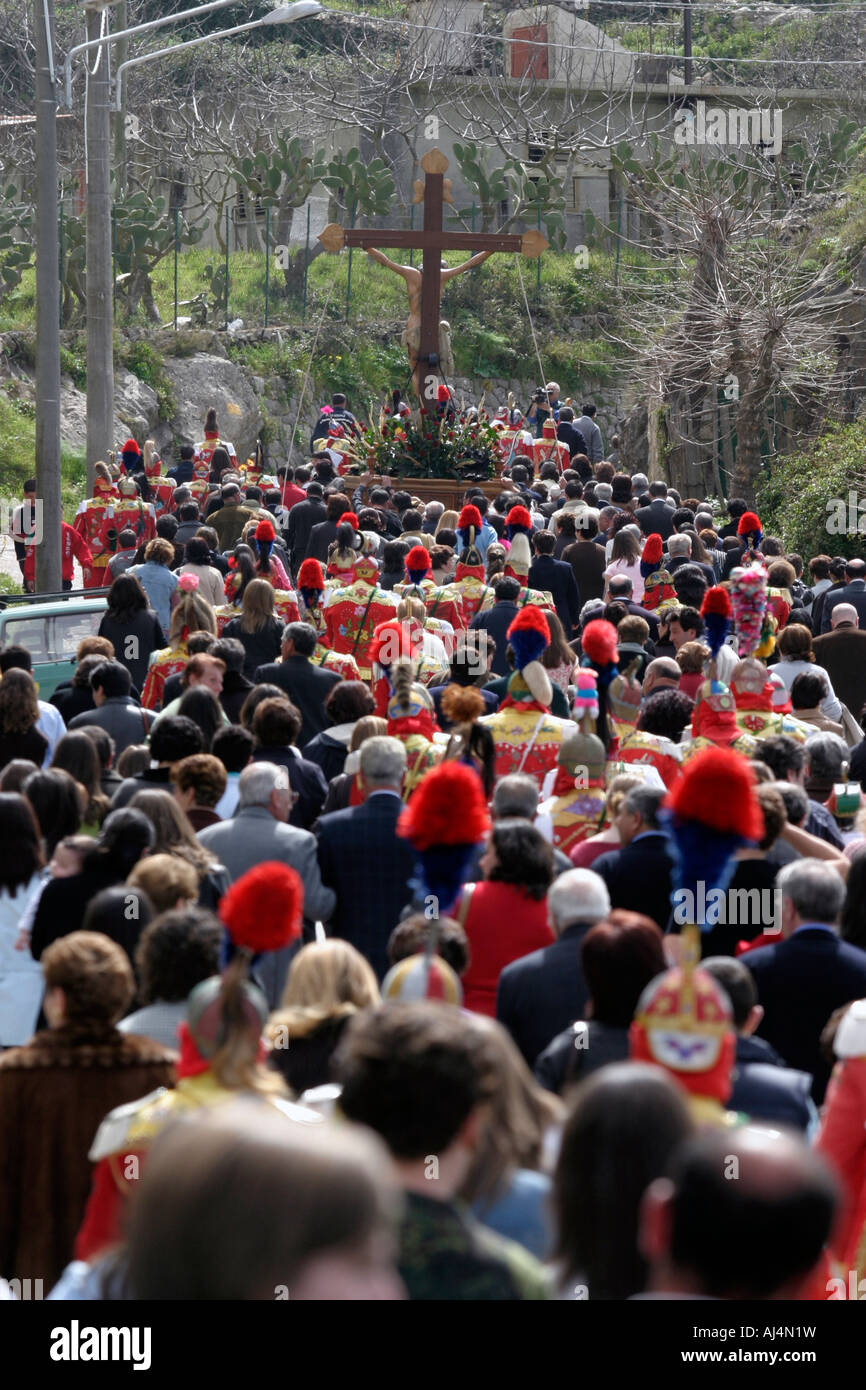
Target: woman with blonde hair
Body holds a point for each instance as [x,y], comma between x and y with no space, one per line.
[192,614]
[584,854]
[257,629]
[328,983]
[174,835]
[446,522]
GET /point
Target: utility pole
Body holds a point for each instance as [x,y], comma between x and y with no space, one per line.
[100,285]
[687,42]
[47,304]
[122,53]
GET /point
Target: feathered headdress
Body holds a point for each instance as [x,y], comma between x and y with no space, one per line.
[444,822]
[265,536]
[518,522]
[599,645]
[749,606]
[750,529]
[392,641]
[262,910]
[716,613]
[417,564]
[311,582]
[651,555]
[529,635]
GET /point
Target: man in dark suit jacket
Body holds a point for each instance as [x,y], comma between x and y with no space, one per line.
[658,517]
[810,973]
[545,991]
[498,619]
[302,518]
[324,533]
[555,578]
[640,876]
[842,653]
[854,593]
[306,684]
[364,861]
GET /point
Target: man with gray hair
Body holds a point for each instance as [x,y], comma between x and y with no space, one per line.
[258,832]
[543,993]
[364,860]
[432,513]
[620,588]
[810,972]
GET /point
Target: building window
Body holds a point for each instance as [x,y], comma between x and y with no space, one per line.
[529,51]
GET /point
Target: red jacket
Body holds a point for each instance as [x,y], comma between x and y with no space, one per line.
[502,924]
[73,546]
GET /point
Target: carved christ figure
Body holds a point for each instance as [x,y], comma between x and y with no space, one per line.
[411,338]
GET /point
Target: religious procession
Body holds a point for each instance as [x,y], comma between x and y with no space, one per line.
[432,830]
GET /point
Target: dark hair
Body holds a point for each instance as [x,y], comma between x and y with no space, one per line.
[411,1072]
[76,754]
[276,723]
[255,698]
[525,859]
[121,913]
[690,585]
[188,512]
[620,956]
[782,755]
[645,802]
[15,774]
[737,982]
[202,708]
[506,590]
[337,505]
[15,658]
[102,742]
[303,635]
[544,542]
[233,745]
[197,551]
[411,936]
[176,952]
[412,520]
[230,651]
[393,555]
[19,706]
[20,850]
[688,618]
[125,836]
[84,670]
[348,702]
[125,598]
[852,920]
[112,678]
[819,567]
[666,713]
[626,1121]
[54,797]
[746,1239]
[174,737]
[807,690]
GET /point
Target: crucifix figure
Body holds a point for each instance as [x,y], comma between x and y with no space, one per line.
[427,338]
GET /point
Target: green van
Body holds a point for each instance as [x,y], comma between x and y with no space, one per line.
[51,626]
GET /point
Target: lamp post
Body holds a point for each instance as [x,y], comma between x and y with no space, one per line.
[100,317]
[47,304]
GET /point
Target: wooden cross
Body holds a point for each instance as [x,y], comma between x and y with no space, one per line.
[425,285]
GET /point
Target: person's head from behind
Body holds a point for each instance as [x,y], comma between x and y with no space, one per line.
[620,957]
[624,1124]
[56,801]
[119,911]
[125,836]
[200,705]
[690,585]
[176,952]
[382,764]
[199,780]
[825,754]
[414,935]
[759,1237]
[844,615]
[110,680]
[89,983]
[414,1074]
[328,979]
[166,881]
[265,786]
[739,985]
[19,704]
[15,658]
[577,898]
[173,738]
[21,855]
[15,774]
[811,891]
[233,745]
[276,723]
[238,1202]
[666,713]
[807,691]
[519,855]
[515,797]
[639,813]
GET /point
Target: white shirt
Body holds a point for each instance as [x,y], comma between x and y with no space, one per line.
[52,726]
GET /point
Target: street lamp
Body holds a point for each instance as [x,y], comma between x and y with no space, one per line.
[100,311]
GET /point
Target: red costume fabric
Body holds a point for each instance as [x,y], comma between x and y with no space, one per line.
[73,547]
[503,924]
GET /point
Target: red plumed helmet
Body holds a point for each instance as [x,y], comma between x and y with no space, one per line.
[716,600]
[717,789]
[748,522]
[519,516]
[351,518]
[470,516]
[598,641]
[130,447]
[265,531]
[530,619]
[652,550]
[448,808]
[390,642]
[417,559]
[310,575]
[262,911]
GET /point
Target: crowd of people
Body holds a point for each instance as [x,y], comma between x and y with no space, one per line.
[404,902]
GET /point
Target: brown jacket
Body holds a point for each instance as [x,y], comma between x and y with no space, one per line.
[54,1093]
